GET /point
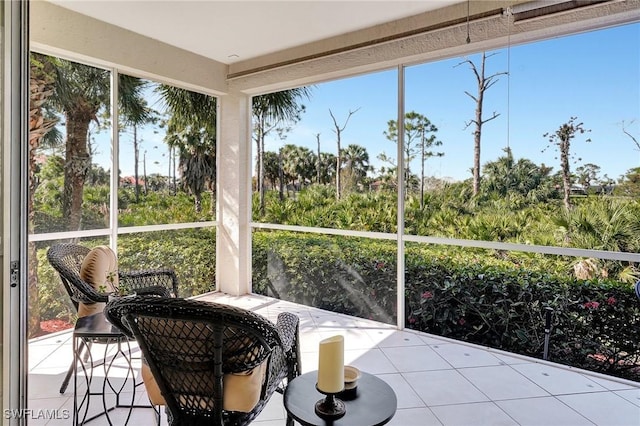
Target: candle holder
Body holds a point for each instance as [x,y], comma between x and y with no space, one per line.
[330,408]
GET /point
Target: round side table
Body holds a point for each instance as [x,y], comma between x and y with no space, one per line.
[374,404]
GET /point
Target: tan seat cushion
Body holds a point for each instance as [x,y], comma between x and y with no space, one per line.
[153,391]
[241,390]
[97,267]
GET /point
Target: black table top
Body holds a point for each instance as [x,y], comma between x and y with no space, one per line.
[375,402]
[96,325]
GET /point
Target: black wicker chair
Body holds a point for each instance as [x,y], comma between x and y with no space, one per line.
[190,346]
[67,259]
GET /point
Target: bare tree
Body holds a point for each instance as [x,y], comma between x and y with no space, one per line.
[484,83]
[338,131]
[561,139]
[628,133]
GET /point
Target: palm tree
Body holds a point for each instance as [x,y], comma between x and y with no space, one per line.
[272,167]
[80,93]
[197,165]
[327,167]
[505,175]
[270,112]
[40,89]
[355,164]
[604,223]
[298,163]
[135,114]
[191,129]
[588,175]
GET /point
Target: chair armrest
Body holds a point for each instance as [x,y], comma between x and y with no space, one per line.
[151,281]
[287,325]
[157,290]
[83,292]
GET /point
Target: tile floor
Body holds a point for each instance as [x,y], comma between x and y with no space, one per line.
[437,381]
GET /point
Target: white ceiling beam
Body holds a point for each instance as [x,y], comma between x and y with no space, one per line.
[62,32]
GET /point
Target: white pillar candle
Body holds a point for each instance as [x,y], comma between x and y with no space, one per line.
[331,365]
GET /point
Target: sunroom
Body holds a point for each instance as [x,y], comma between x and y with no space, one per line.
[432,278]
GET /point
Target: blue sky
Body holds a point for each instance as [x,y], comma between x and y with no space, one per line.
[594,76]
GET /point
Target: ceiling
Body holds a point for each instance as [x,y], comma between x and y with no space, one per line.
[232,31]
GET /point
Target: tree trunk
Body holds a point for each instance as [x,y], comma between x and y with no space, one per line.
[280,176]
[175,179]
[136,158]
[144,171]
[318,162]
[566,173]
[477,137]
[212,206]
[260,162]
[198,202]
[338,166]
[77,163]
[422,170]
[40,88]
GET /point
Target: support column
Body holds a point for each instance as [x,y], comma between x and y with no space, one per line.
[233,242]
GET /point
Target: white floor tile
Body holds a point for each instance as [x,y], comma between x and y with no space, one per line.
[46,384]
[309,361]
[545,411]
[437,381]
[613,384]
[510,360]
[415,358]
[333,322]
[406,396]
[310,340]
[354,338]
[502,382]
[476,414]
[557,381]
[430,339]
[386,338]
[372,361]
[604,408]
[460,356]
[48,410]
[414,417]
[274,410]
[443,387]
[631,395]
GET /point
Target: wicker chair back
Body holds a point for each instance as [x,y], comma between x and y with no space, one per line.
[191,345]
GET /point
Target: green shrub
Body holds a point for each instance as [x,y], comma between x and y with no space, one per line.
[189,252]
[466,294]
[325,272]
[54,300]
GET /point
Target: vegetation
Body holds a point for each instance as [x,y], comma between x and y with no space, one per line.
[561,139]
[491,297]
[483,83]
[481,296]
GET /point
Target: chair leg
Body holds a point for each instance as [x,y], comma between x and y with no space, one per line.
[67,378]
[289,420]
[157,409]
[65,382]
